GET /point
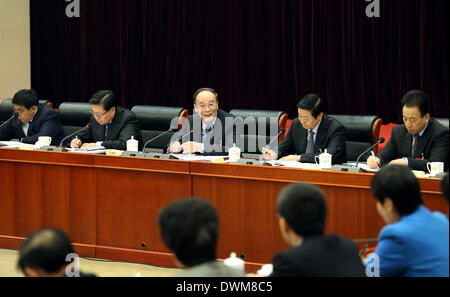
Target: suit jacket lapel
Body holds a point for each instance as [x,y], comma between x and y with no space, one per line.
[321,134]
[423,140]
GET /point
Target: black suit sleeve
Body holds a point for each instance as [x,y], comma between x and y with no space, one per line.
[390,152]
[7,132]
[282,267]
[50,126]
[287,147]
[438,153]
[335,146]
[129,128]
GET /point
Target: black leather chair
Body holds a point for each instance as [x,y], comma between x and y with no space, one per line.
[155,120]
[74,116]
[443,121]
[362,132]
[6,108]
[251,142]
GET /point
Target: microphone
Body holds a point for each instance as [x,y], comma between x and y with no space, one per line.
[381,140]
[76,132]
[282,130]
[10,119]
[192,131]
[154,138]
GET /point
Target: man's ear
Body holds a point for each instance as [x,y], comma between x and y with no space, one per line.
[30,272]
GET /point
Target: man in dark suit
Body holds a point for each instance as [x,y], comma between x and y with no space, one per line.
[212,127]
[418,141]
[311,134]
[110,126]
[32,120]
[302,213]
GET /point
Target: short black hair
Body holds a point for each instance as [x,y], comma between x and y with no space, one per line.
[105,98]
[190,228]
[45,249]
[206,89]
[444,186]
[313,103]
[400,185]
[419,99]
[304,208]
[27,98]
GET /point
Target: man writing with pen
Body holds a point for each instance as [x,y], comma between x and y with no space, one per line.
[418,141]
[310,134]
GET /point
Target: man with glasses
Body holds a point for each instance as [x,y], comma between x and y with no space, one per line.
[209,126]
[310,134]
[31,120]
[110,126]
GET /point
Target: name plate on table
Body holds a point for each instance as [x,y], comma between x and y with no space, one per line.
[53,149]
[346,168]
[252,162]
[134,154]
[157,156]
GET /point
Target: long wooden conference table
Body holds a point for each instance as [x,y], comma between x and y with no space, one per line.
[109,205]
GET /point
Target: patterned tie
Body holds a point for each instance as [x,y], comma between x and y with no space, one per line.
[416,142]
[310,146]
[207,131]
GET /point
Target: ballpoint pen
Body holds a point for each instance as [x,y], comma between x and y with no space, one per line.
[373,155]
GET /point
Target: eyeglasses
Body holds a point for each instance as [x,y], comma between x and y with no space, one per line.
[99,115]
[205,106]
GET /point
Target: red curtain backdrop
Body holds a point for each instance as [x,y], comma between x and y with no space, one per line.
[258,54]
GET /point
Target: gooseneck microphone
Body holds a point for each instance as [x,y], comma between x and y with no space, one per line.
[76,132]
[282,130]
[381,140]
[9,120]
[158,136]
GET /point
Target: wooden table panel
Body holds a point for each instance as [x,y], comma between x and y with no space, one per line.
[109,205]
[130,198]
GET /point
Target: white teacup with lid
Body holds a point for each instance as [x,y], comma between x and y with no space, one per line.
[234,154]
[132,145]
[234,262]
[324,160]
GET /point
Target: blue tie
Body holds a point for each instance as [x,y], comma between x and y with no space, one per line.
[207,131]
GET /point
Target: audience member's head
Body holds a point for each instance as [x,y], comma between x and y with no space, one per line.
[25,103]
[310,111]
[302,211]
[444,187]
[103,104]
[44,253]
[397,192]
[416,111]
[190,228]
[206,104]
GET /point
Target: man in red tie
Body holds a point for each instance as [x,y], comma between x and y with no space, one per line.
[418,141]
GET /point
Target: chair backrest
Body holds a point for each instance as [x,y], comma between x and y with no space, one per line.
[362,131]
[261,117]
[155,120]
[443,121]
[6,108]
[74,115]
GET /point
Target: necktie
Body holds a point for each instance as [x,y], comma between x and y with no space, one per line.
[207,131]
[416,142]
[106,130]
[310,146]
[25,128]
